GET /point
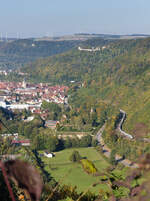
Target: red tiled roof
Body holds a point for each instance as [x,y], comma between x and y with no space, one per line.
[20,141]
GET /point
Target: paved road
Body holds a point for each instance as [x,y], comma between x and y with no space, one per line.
[107,151]
[119,127]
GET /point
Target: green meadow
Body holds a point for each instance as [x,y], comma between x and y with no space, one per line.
[72,174]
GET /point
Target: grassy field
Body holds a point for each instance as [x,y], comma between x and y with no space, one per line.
[72,173]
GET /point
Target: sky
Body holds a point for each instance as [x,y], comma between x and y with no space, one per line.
[37,18]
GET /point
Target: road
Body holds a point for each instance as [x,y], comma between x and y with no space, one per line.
[119,127]
[107,151]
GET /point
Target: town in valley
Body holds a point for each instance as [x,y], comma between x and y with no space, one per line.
[22,95]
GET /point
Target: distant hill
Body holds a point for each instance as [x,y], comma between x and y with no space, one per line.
[87,36]
[14,54]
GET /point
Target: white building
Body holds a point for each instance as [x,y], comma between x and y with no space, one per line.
[22,106]
[2,103]
[48,154]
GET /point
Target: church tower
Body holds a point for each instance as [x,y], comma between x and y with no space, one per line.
[24,84]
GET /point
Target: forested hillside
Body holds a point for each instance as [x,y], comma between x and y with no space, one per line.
[125,83]
[117,75]
[77,65]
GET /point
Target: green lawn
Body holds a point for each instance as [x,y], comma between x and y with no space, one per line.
[72,173]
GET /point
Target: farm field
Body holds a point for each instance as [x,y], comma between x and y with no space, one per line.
[70,173]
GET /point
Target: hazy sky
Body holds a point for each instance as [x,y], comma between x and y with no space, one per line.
[58,17]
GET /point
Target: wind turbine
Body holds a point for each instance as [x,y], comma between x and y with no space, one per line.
[6,36]
[1,37]
[17,35]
